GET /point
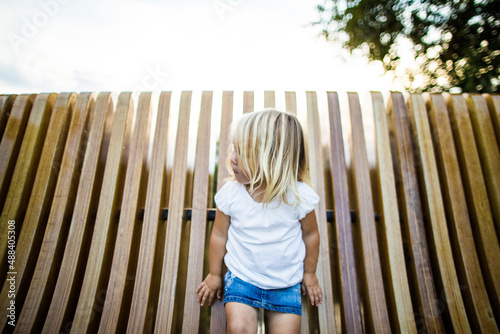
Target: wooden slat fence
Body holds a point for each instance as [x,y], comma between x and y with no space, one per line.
[107,206]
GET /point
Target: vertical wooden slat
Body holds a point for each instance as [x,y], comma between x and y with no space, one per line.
[198,218]
[310,312]
[488,151]
[467,263]
[43,192]
[291,102]
[180,289]
[6,102]
[326,310]
[435,209]
[291,106]
[99,152]
[115,310]
[18,197]
[157,180]
[494,107]
[47,266]
[351,315]
[156,279]
[218,315]
[165,311]
[269,99]
[225,128]
[375,301]
[248,102]
[397,289]
[427,315]
[477,198]
[9,150]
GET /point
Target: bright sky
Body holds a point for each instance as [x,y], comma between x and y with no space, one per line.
[110,45]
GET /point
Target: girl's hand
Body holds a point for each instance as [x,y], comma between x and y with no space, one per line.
[209,288]
[311,286]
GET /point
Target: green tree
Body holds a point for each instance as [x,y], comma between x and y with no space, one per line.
[456,44]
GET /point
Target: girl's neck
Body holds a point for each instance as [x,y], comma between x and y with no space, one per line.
[257,194]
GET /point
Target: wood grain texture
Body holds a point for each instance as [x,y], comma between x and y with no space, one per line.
[467,262]
[9,150]
[436,215]
[305,325]
[142,295]
[375,301]
[50,159]
[224,137]
[398,291]
[351,314]
[6,102]
[269,99]
[198,218]
[428,316]
[291,102]
[97,186]
[488,151]
[494,108]
[218,314]
[19,194]
[326,310]
[477,198]
[42,192]
[116,305]
[94,250]
[248,102]
[65,297]
[165,311]
[50,255]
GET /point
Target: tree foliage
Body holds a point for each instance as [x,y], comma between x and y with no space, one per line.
[456,44]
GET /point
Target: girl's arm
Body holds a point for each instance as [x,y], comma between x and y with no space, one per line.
[310,234]
[212,285]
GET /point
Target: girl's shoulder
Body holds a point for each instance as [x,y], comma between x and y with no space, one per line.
[308,199]
[225,195]
[229,187]
[306,190]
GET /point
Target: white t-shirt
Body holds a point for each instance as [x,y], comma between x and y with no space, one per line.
[265,245]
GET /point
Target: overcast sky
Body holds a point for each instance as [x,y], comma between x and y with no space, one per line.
[96,45]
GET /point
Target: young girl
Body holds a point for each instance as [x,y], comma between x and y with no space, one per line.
[265,221]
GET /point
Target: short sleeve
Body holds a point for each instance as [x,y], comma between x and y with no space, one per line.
[308,199]
[224,197]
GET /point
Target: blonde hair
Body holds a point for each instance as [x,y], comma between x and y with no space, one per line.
[271,152]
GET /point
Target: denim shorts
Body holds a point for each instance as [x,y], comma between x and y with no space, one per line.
[287,300]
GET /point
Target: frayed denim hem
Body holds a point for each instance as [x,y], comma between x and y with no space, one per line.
[265,306]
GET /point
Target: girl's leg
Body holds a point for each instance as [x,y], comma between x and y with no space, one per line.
[277,322]
[241,318]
